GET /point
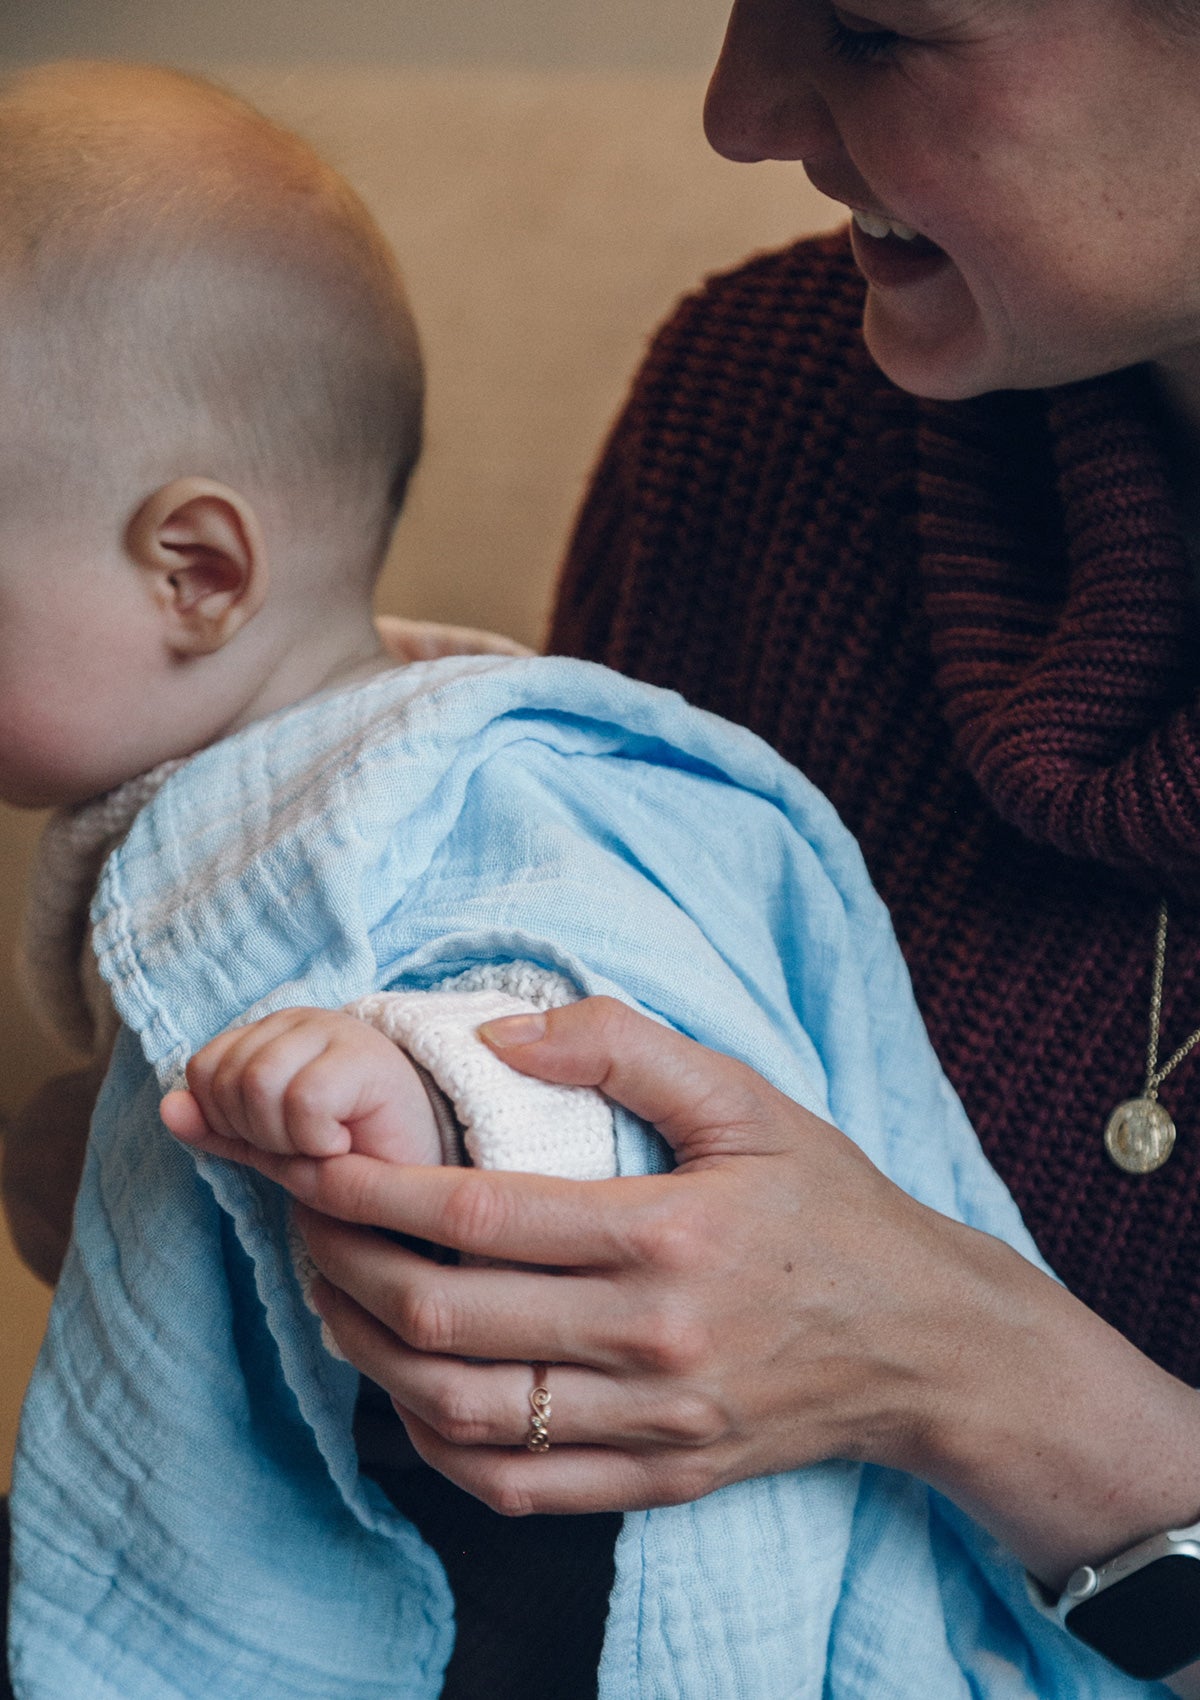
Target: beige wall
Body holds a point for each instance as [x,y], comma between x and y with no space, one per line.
[545,221]
[626,35]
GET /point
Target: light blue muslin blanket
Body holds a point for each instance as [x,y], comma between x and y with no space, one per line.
[189,1520]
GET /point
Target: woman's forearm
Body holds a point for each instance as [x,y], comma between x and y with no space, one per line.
[1047,1426]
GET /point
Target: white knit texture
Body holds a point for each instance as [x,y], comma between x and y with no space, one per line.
[509,1121]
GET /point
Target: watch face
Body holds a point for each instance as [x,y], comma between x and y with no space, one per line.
[1148,1623]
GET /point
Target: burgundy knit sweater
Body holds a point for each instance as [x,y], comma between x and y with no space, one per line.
[973,626]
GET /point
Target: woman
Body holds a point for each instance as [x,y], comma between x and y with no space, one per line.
[971,622]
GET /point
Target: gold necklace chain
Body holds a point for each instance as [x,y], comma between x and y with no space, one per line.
[1155,1075]
[1140,1135]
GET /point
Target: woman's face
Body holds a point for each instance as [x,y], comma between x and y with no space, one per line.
[1047,152]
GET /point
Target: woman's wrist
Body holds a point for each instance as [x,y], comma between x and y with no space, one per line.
[1050,1428]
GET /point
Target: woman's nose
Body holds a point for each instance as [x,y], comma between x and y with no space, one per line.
[762,103]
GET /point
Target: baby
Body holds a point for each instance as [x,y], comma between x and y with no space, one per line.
[283,866]
[214,394]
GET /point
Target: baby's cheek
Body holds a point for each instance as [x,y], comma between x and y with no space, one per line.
[69,731]
[40,753]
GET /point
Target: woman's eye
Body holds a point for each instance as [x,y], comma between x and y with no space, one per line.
[861,46]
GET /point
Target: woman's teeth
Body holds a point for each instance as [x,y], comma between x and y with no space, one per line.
[874,225]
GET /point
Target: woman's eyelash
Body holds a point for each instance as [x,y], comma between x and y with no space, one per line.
[858,47]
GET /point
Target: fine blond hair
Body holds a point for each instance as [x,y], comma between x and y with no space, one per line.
[200,277]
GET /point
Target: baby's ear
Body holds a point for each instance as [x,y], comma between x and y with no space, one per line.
[202,546]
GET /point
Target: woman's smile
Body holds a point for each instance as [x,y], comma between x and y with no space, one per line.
[891,255]
[877,226]
[1023,179]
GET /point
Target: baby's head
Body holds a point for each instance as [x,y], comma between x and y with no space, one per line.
[210,404]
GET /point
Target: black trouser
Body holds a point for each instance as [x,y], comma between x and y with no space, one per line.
[530,1593]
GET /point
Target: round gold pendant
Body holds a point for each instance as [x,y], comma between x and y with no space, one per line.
[1140,1136]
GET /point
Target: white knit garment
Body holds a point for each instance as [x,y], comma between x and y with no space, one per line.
[508,1120]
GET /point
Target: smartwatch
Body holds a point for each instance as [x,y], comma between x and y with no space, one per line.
[1141,1609]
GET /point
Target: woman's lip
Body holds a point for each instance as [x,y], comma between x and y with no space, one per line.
[887,262]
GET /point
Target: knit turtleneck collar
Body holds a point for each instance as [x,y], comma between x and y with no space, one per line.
[1063,620]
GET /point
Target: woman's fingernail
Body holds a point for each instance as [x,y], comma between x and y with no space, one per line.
[510,1030]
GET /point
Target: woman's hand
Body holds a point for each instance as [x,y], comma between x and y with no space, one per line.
[773,1301]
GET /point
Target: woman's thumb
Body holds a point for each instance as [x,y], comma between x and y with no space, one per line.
[703,1103]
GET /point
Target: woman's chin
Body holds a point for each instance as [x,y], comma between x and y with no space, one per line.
[929,339]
